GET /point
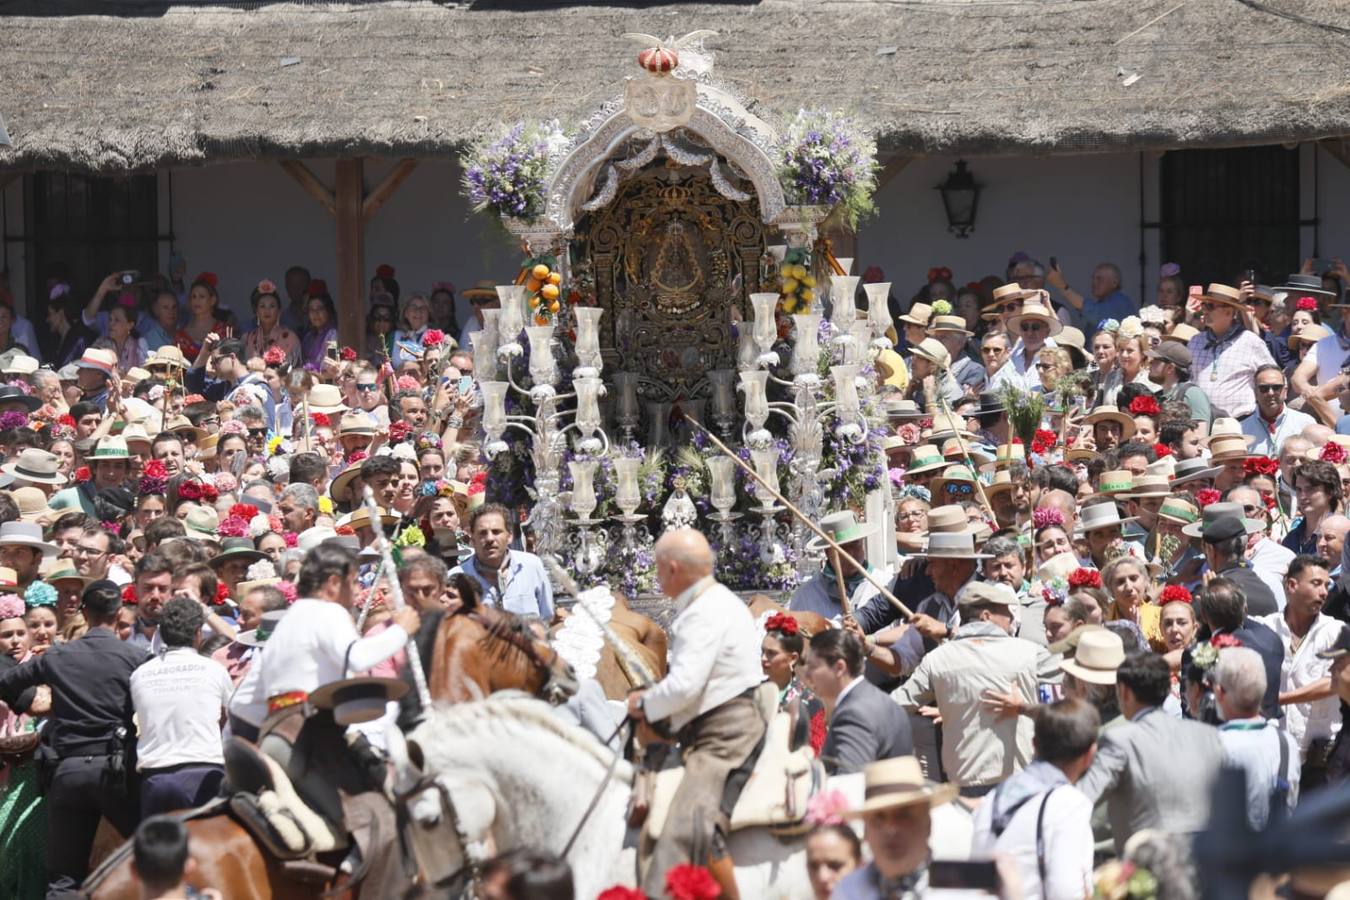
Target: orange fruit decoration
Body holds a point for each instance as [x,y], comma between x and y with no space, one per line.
[532,285]
[540,271]
[554,278]
[549,292]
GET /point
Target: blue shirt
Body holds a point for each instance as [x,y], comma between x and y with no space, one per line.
[524,585]
[1114,306]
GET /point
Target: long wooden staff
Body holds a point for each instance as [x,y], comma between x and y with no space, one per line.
[801,517]
[965,454]
[396,591]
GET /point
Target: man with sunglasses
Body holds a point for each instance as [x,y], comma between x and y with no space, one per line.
[1273,422]
[1035,327]
[481,296]
[1226,355]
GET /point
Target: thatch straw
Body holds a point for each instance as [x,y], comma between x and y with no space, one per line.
[190,85]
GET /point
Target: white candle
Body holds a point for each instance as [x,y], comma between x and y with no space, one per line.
[626,495]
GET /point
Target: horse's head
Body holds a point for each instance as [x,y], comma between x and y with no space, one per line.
[523,644]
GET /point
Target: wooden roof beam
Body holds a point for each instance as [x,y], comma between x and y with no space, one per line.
[386,188]
[310,183]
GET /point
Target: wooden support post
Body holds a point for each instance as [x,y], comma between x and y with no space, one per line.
[311,183]
[351,253]
[8,178]
[385,189]
[1338,148]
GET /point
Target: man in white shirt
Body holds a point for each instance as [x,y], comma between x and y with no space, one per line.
[1311,709]
[1272,420]
[1037,816]
[709,697]
[180,699]
[1258,746]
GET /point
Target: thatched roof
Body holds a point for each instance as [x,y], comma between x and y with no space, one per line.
[183,85]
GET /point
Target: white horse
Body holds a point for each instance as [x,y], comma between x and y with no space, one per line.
[517,776]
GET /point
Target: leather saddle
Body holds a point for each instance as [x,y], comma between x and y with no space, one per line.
[267,804]
[776,795]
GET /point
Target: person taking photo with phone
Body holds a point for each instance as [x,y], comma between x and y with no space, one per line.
[1105,300]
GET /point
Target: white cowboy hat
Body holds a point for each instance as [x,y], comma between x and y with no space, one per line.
[1102,515]
[1098,655]
[898,781]
[26,534]
[36,467]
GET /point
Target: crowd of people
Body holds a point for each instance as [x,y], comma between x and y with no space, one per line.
[1084,623]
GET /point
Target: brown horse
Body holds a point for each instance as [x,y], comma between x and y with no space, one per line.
[811,623]
[476,652]
[645,639]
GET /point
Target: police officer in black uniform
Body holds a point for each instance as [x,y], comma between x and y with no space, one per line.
[87,753]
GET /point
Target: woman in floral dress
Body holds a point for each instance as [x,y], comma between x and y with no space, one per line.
[779,656]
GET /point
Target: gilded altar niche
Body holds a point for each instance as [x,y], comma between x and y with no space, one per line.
[672,258]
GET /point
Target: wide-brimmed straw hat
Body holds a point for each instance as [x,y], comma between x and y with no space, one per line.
[951,545]
[947,520]
[26,534]
[32,503]
[955,450]
[891,366]
[902,409]
[1061,565]
[483,288]
[1179,511]
[64,570]
[949,325]
[1116,483]
[1227,448]
[1108,413]
[1149,486]
[104,361]
[919,314]
[232,549]
[1311,334]
[1001,296]
[1225,294]
[843,528]
[360,518]
[201,524]
[1181,333]
[1214,512]
[1034,310]
[167,356]
[898,781]
[19,363]
[958,476]
[36,466]
[1193,470]
[113,447]
[355,423]
[326,399]
[357,700]
[1098,655]
[1003,481]
[925,458]
[1007,454]
[1225,426]
[179,424]
[1299,284]
[1102,515]
[932,350]
[1073,341]
[342,483]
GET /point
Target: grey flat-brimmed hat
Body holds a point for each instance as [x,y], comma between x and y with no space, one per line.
[954,545]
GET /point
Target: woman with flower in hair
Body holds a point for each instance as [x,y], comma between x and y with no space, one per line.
[1104,359]
[1051,538]
[268,332]
[1305,313]
[408,340]
[1131,364]
[64,451]
[780,655]
[204,316]
[1126,579]
[1179,628]
[41,619]
[1145,412]
[23,814]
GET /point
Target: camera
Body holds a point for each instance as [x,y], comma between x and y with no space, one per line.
[130,277]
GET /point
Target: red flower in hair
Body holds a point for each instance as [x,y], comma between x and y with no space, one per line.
[1162,450]
[210,494]
[1085,577]
[819,727]
[207,278]
[266,286]
[348,354]
[783,624]
[690,882]
[433,337]
[1332,452]
[193,398]
[399,431]
[345,529]
[292,539]
[1306,303]
[1144,406]
[189,490]
[1206,496]
[1220,641]
[1260,465]
[939,273]
[1174,593]
[384,270]
[222,594]
[479,478]
[82,474]
[67,420]
[129,595]
[1269,498]
[233,526]
[245,511]
[476,488]
[155,469]
[317,288]
[618,892]
[357,457]
[321,420]
[274,356]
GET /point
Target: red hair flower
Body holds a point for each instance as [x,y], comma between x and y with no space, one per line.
[384,270]
[129,595]
[1174,593]
[619,892]
[399,431]
[1222,641]
[233,526]
[690,882]
[1309,304]
[193,398]
[222,594]
[245,511]
[155,469]
[1085,577]
[189,490]
[1260,465]
[82,474]
[1162,450]
[1269,498]
[348,354]
[475,489]
[266,286]
[433,337]
[274,356]
[939,273]
[1144,406]
[1332,452]
[67,420]
[317,288]
[321,420]
[345,529]
[783,624]
[207,278]
[291,538]
[1205,496]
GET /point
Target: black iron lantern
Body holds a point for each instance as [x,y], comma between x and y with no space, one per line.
[960,197]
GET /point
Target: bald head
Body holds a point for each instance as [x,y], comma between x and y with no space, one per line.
[682,558]
[1331,539]
[1062,501]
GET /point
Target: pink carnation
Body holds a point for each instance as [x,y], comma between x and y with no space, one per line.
[11,607]
[1046,516]
[827,808]
[292,539]
[234,526]
[287,590]
[224,482]
[407,383]
[277,525]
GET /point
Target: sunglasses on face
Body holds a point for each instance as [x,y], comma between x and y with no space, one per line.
[366,387]
[991,351]
[257,432]
[962,488]
[1269,388]
[1208,307]
[1030,327]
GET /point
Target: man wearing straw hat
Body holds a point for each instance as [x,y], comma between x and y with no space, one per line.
[897,824]
[1226,355]
[820,594]
[952,332]
[982,657]
[931,383]
[1035,327]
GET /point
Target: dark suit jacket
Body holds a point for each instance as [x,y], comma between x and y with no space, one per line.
[1260,601]
[1268,644]
[868,725]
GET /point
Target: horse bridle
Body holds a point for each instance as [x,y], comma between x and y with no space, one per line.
[503,628]
[472,869]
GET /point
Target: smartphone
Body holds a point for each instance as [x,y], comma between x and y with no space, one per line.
[1196,290]
[465,385]
[977,876]
[1322,266]
[130,276]
[1054,263]
[332,350]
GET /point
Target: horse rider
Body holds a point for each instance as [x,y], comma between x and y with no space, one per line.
[709,696]
[87,757]
[314,644]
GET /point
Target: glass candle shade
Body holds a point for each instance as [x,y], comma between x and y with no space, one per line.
[543,368]
[512,317]
[626,496]
[626,404]
[806,347]
[723,383]
[878,312]
[843,291]
[722,471]
[588,405]
[766,329]
[766,467]
[494,407]
[755,386]
[484,354]
[845,392]
[588,336]
[583,487]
